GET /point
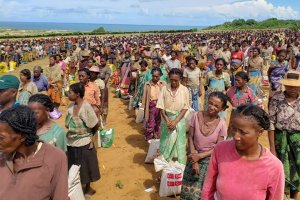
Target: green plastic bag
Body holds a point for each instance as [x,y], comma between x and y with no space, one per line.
[106,137]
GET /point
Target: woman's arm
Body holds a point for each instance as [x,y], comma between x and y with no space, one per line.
[107,76]
[272,142]
[191,141]
[209,187]
[272,114]
[164,116]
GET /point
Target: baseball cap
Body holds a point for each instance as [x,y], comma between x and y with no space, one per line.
[9,81]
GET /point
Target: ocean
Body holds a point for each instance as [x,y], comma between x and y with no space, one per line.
[86,27]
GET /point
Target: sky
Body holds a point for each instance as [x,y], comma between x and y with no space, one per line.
[147,12]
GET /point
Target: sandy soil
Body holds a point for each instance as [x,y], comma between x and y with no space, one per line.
[124,161]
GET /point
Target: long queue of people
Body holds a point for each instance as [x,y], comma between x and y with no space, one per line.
[165,76]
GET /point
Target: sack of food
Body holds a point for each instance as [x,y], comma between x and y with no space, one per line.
[188,116]
[171,179]
[140,115]
[153,150]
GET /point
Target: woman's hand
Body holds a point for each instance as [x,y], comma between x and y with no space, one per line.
[172,125]
[200,93]
[196,168]
[91,145]
[194,157]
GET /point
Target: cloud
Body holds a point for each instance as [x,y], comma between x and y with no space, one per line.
[160,12]
[135,6]
[256,9]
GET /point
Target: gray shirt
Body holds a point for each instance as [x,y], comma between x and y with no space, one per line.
[173,64]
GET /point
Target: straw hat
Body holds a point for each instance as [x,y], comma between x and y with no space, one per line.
[94,69]
[85,54]
[292,78]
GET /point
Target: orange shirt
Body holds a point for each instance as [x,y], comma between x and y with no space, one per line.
[92,94]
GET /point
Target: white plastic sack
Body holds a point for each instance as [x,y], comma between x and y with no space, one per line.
[74,184]
[171,180]
[160,163]
[188,116]
[140,116]
[76,193]
[130,105]
[153,150]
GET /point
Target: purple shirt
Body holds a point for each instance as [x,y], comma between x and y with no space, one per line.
[41,83]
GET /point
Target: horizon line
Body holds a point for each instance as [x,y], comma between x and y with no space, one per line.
[105,23]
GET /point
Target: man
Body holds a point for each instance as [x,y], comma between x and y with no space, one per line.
[9,85]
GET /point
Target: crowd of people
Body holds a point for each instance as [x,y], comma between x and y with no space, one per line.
[166,78]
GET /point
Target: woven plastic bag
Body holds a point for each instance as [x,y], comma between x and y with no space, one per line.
[171,179]
[140,116]
[106,137]
[153,150]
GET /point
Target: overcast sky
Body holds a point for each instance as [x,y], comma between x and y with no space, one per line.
[147,12]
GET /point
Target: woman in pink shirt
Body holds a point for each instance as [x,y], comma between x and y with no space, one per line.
[242,168]
[207,129]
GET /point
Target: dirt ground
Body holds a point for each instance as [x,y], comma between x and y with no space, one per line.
[124,161]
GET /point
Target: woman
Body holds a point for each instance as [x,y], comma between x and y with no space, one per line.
[173,102]
[152,115]
[30,169]
[140,85]
[53,74]
[47,130]
[90,63]
[124,69]
[237,58]
[27,87]
[207,129]
[39,79]
[157,62]
[94,74]
[277,71]
[82,124]
[216,81]
[105,73]
[240,93]
[92,92]
[192,79]
[284,132]
[242,168]
[255,71]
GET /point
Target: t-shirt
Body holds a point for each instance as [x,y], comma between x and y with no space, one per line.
[205,143]
[192,76]
[55,136]
[237,55]
[173,102]
[232,177]
[173,64]
[53,73]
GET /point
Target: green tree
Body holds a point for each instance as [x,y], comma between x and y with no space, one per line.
[99,30]
[251,22]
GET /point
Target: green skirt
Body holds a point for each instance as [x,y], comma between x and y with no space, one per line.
[287,145]
[173,143]
[191,183]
